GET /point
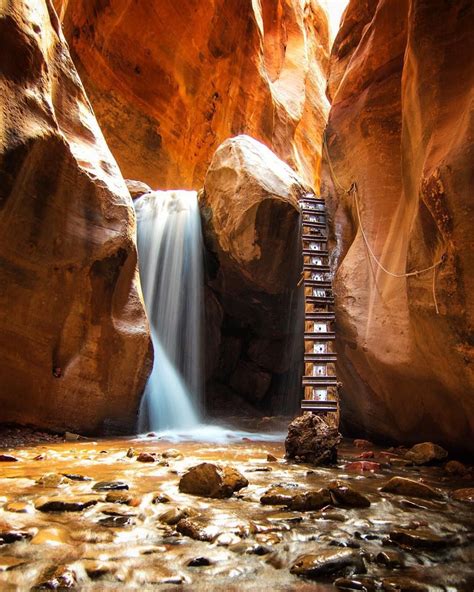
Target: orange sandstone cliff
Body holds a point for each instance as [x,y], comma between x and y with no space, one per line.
[400,127]
[74,343]
[170,83]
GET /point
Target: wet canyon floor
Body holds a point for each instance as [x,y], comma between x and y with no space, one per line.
[127,538]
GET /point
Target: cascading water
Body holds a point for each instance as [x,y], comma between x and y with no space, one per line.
[170,250]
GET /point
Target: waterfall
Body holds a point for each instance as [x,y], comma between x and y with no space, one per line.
[170,251]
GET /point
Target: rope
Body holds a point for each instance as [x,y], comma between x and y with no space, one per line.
[353,189]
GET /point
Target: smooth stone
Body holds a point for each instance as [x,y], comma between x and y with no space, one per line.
[146,457]
[75,477]
[310,500]
[52,480]
[20,507]
[174,515]
[332,515]
[196,530]
[110,486]
[329,563]
[59,505]
[210,480]
[199,562]
[422,538]
[121,497]
[172,453]
[278,496]
[116,521]
[361,466]
[426,453]
[391,559]
[130,453]
[404,486]
[285,516]
[13,536]
[271,458]
[161,498]
[466,494]
[345,495]
[8,458]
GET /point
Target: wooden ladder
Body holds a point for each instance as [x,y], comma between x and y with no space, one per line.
[320,393]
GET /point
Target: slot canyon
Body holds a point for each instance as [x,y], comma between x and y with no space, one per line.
[236,295]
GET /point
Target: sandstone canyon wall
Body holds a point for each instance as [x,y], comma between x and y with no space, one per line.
[170,82]
[74,343]
[400,126]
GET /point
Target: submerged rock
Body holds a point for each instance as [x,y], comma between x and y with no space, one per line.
[116,521]
[329,563]
[13,536]
[426,453]
[404,486]
[210,480]
[146,457]
[310,439]
[277,496]
[454,467]
[195,529]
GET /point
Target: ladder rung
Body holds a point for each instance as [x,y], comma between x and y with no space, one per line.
[316,268]
[319,336]
[321,301]
[317,283]
[319,406]
[323,358]
[314,253]
[319,316]
[306,210]
[319,381]
[317,225]
[313,198]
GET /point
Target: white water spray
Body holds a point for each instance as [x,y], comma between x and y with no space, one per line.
[170,249]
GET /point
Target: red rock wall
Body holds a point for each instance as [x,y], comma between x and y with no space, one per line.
[168,85]
[400,126]
[74,343]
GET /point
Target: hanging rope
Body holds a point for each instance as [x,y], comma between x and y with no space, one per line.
[353,190]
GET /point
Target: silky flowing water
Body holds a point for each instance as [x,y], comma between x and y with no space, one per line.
[170,250]
[127,539]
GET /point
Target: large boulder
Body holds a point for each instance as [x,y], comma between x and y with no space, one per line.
[210,480]
[312,439]
[74,342]
[251,225]
[400,126]
[168,86]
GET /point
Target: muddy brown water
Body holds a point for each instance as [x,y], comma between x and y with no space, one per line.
[250,547]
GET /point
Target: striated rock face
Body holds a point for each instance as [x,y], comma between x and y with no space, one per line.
[168,85]
[400,126]
[74,344]
[250,214]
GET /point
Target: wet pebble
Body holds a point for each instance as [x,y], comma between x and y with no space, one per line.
[403,584]
[210,480]
[328,563]
[76,477]
[422,538]
[347,496]
[271,458]
[199,562]
[410,487]
[146,457]
[391,559]
[454,467]
[174,515]
[116,521]
[61,505]
[172,453]
[160,498]
[13,536]
[110,486]
[310,500]
[426,453]
[8,458]
[122,497]
[355,584]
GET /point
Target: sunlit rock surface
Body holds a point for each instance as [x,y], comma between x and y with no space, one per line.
[168,85]
[250,216]
[74,345]
[401,127]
